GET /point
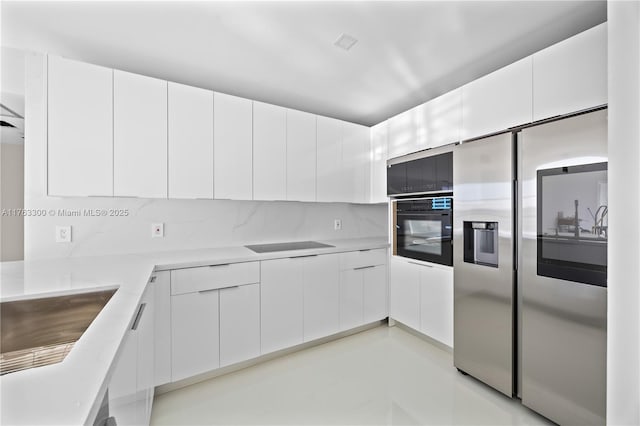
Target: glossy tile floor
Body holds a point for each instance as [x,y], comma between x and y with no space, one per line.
[383,376]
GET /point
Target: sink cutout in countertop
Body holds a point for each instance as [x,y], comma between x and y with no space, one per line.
[298,245]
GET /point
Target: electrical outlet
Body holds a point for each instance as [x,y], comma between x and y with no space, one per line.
[63,234]
[337,224]
[157,230]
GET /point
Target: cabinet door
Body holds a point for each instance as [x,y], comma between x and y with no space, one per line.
[329,159]
[123,404]
[139,136]
[80,134]
[269,152]
[239,323]
[281,303]
[144,326]
[131,386]
[232,146]
[571,75]
[378,149]
[194,334]
[440,120]
[374,293]
[301,156]
[351,298]
[355,163]
[404,288]
[436,304]
[402,134]
[162,314]
[190,142]
[498,101]
[321,296]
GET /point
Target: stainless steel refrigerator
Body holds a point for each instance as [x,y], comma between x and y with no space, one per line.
[530,251]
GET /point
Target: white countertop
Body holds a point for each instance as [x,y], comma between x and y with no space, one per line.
[67,392]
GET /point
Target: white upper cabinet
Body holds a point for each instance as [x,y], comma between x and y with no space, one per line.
[378,149]
[355,164]
[329,159]
[80,145]
[571,75]
[403,134]
[342,161]
[498,101]
[140,136]
[440,120]
[232,146]
[301,156]
[190,142]
[269,152]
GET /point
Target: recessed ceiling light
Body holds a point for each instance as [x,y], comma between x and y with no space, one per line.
[345,41]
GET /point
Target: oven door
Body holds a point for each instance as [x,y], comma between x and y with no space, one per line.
[424,236]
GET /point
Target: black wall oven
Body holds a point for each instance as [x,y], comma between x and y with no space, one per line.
[423,229]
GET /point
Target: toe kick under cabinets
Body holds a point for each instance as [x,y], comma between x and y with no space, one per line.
[215,316]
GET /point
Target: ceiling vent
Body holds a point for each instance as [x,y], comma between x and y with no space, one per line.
[345,41]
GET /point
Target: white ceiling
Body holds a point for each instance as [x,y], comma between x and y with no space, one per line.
[283,52]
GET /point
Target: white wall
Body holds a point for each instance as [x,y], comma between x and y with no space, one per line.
[188,223]
[12,154]
[11,197]
[623,346]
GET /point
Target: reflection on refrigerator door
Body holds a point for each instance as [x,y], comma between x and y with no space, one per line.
[563,271]
[483,279]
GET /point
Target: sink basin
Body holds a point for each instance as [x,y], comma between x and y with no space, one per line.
[42,331]
[297,245]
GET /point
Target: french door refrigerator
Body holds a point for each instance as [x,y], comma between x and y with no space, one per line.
[530,252]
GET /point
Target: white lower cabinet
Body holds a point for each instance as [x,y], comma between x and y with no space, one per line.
[351,299]
[363,288]
[239,323]
[132,383]
[162,326]
[194,334]
[363,296]
[214,316]
[300,300]
[404,292]
[374,294]
[436,304]
[321,296]
[281,302]
[422,298]
[123,385]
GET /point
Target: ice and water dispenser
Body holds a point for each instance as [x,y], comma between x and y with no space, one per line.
[481,243]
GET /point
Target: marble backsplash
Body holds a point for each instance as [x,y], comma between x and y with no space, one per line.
[189,224]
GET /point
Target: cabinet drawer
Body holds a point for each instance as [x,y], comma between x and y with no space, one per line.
[190,280]
[362,258]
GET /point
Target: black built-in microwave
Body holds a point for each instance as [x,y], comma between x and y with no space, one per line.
[425,175]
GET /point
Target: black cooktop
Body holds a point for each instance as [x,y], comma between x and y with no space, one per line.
[297,245]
